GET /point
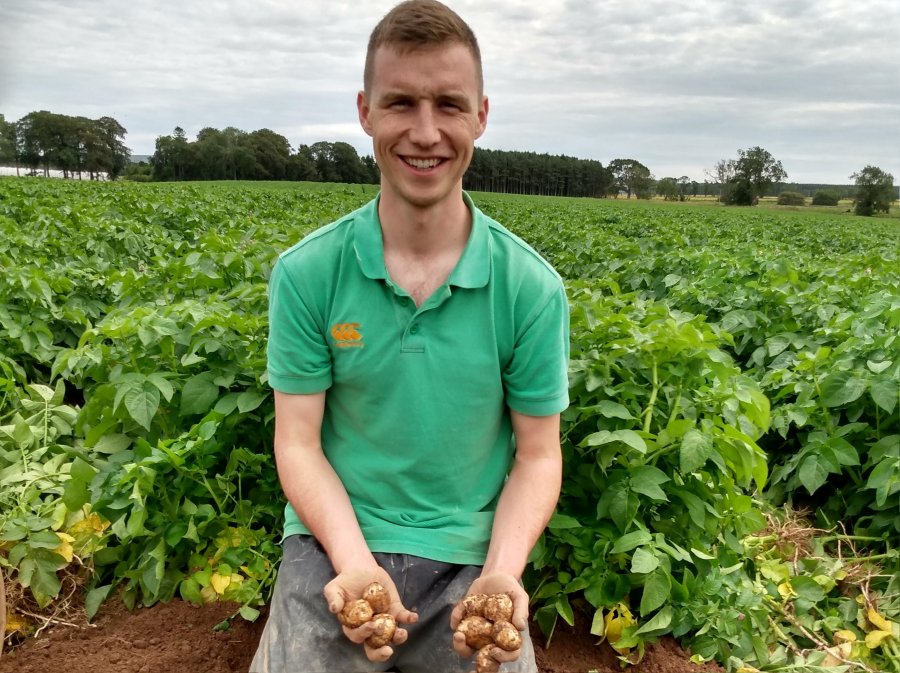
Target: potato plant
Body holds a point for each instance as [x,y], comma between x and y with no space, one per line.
[724,364]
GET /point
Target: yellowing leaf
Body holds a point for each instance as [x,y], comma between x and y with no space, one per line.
[836,655]
[92,525]
[614,622]
[875,638]
[845,636]
[877,620]
[748,669]
[786,590]
[14,622]
[219,582]
[208,594]
[65,548]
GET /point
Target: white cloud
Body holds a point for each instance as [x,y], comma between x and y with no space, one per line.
[674,84]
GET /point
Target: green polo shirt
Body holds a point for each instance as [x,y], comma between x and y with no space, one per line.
[417,422]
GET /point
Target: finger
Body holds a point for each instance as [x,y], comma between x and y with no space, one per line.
[406,617]
[501,655]
[520,610]
[379,653]
[359,634]
[334,597]
[460,647]
[456,616]
[400,636]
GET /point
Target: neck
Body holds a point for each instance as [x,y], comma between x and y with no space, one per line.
[423,231]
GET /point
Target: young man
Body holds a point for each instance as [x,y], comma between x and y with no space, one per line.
[418,353]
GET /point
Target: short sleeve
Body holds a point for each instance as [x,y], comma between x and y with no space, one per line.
[299,358]
[536,378]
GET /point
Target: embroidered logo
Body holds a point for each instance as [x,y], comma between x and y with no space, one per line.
[347,335]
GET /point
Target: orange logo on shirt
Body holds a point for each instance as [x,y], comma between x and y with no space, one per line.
[346,335]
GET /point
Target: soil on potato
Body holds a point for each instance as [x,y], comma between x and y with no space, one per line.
[177,637]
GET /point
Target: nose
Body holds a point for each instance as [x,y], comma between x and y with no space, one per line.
[424,129]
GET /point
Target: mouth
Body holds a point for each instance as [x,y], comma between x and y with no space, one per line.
[422,164]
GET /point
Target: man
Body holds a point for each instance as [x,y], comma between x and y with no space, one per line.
[418,353]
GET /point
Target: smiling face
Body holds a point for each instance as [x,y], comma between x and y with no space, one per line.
[424,110]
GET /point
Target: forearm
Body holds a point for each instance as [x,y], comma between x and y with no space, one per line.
[321,501]
[526,504]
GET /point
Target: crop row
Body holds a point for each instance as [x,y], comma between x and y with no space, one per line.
[724,363]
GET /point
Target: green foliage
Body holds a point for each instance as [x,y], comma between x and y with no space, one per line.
[724,363]
[875,191]
[826,197]
[791,199]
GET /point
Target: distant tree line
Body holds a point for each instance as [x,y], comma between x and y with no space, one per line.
[233,154]
[531,173]
[41,141]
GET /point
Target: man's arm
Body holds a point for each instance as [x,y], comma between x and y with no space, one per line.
[525,506]
[529,496]
[318,496]
[311,484]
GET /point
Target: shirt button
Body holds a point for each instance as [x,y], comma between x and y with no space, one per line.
[413,329]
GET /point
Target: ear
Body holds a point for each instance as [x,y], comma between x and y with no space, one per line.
[362,108]
[482,116]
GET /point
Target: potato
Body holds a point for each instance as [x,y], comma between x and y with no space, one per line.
[506,636]
[385,626]
[355,614]
[484,662]
[474,605]
[377,596]
[498,608]
[478,632]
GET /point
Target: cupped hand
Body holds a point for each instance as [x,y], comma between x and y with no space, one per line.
[348,586]
[495,583]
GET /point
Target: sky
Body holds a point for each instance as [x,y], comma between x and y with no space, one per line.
[676,85]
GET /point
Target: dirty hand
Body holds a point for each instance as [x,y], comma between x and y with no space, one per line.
[496,583]
[350,586]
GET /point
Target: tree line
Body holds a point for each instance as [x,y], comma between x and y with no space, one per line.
[233,154]
[41,141]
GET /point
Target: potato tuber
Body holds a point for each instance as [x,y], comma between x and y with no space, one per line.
[484,662]
[498,608]
[355,614]
[385,626]
[487,623]
[377,596]
[478,632]
[506,636]
[474,605]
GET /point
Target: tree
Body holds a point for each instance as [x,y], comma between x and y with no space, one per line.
[668,189]
[631,176]
[874,190]
[721,174]
[9,146]
[791,199]
[826,197]
[755,170]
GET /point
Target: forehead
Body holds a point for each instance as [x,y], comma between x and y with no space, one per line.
[449,66]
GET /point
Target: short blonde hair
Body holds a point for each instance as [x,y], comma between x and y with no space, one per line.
[420,24]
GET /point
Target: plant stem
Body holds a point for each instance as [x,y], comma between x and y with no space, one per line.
[648,414]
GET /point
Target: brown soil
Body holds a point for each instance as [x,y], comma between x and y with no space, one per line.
[179,638]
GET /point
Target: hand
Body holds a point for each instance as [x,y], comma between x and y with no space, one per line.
[494,583]
[349,586]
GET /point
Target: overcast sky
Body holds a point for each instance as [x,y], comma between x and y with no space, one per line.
[676,85]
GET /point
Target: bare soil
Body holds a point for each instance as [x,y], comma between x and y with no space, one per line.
[177,637]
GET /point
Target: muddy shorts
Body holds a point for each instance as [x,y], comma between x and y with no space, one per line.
[302,636]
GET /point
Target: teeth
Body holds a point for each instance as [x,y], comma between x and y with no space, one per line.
[422,163]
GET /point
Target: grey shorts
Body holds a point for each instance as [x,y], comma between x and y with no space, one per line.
[302,636]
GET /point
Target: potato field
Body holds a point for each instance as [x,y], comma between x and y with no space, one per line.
[732,450]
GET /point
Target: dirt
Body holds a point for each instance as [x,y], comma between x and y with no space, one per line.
[177,637]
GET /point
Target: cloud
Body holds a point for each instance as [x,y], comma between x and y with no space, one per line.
[677,85]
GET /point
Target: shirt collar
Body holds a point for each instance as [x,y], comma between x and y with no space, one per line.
[473,269]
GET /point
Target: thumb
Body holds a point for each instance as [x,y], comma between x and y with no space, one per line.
[334,597]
